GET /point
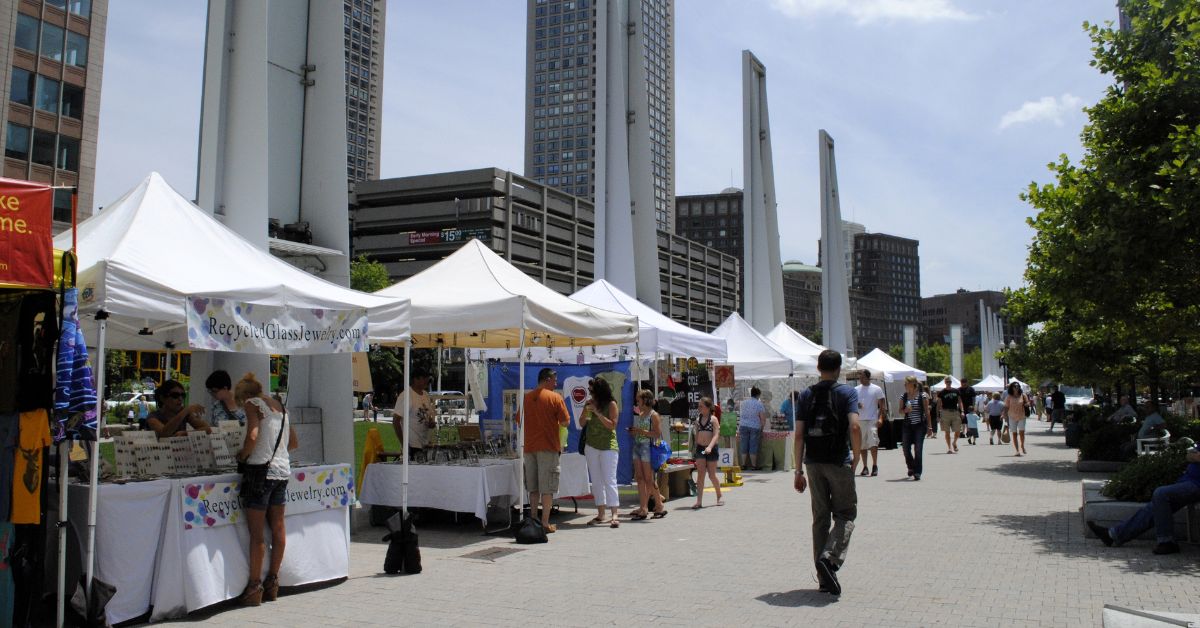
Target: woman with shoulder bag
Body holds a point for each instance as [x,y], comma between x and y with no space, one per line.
[647,427]
[599,418]
[266,467]
[918,424]
[1014,409]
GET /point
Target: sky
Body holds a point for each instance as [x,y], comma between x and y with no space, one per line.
[943,111]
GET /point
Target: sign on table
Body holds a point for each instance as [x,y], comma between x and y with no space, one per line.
[212,504]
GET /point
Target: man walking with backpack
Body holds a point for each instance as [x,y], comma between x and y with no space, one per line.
[828,440]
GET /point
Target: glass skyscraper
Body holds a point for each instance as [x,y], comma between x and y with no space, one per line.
[560,96]
[364,28]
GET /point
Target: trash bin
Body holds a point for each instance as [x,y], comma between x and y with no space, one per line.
[1074,433]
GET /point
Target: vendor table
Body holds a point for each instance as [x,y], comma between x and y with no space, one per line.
[143,548]
[463,488]
[456,488]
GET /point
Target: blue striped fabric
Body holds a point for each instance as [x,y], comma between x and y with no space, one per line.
[74,393]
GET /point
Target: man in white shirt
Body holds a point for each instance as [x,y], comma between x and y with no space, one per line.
[872,408]
[424,418]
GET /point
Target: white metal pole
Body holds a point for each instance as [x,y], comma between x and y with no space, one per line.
[521,427]
[407,434]
[93,476]
[167,371]
[64,449]
[440,349]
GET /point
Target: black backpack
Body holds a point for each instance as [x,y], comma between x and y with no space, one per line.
[826,430]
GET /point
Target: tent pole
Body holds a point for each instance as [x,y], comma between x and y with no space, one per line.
[63,452]
[167,371]
[521,424]
[440,349]
[93,475]
[407,434]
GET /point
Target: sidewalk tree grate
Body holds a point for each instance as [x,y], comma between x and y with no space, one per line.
[492,553]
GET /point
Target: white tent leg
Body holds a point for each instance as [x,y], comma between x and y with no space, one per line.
[64,449]
[167,370]
[93,476]
[407,414]
[440,349]
[521,425]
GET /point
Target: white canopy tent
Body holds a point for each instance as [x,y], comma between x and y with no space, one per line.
[1025,388]
[991,383]
[141,258]
[475,299]
[954,381]
[891,368]
[754,356]
[793,341]
[657,334]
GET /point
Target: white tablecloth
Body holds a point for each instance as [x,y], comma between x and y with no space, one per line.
[142,548]
[457,488]
[573,476]
[129,526]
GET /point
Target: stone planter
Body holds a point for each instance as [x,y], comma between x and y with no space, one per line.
[1109,512]
[1098,466]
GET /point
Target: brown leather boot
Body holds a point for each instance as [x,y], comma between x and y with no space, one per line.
[253,595]
[270,588]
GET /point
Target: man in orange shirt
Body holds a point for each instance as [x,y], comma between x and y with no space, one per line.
[547,412]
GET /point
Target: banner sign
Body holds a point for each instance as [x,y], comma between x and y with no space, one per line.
[502,400]
[212,504]
[225,325]
[448,235]
[26,233]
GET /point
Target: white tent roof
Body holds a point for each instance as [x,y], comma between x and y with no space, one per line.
[753,356]
[1025,388]
[476,299]
[991,383]
[145,253]
[793,341]
[954,381]
[891,368]
[658,333]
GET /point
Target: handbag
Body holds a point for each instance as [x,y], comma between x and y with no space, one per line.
[660,452]
[530,531]
[583,437]
[1004,436]
[254,476]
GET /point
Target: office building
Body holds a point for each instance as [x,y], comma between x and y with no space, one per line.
[941,311]
[564,118]
[802,298]
[53,60]
[715,220]
[885,290]
[410,223]
[364,30]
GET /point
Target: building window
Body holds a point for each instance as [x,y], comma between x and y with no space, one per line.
[68,153]
[52,42]
[43,148]
[47,94]
[20,88]
[27,32]
[62,205]
[72,101]
[16,141]
[77,49]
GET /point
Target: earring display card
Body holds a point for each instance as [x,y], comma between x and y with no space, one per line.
[223,457]
[182,458]
[201,444]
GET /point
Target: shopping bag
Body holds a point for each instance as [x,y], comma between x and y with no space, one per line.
[1004,436]
[660,453]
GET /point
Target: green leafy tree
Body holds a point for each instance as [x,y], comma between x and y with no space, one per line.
[1113,275]
[934,358]
[367,275]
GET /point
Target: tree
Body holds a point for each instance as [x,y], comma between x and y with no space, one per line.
[1113,275]
[367,275]
[934,358]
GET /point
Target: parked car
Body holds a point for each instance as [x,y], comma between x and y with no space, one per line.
[130,398]
[1077,396]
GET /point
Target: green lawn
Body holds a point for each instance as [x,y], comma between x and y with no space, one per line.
[390,442]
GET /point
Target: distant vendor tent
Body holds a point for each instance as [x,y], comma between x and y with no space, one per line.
[756,357]
[891,368]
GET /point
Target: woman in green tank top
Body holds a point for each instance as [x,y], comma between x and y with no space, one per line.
[599,418]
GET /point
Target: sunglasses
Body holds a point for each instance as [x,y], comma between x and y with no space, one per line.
[176,395]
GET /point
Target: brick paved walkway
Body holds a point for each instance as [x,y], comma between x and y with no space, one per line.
[985,539]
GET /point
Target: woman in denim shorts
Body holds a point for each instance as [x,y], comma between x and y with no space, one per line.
[268,441]
[647,426]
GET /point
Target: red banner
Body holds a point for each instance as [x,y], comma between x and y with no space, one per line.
[26,235]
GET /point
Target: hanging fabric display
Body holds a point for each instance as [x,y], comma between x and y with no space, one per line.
[75,415]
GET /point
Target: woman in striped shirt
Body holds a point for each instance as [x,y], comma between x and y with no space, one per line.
[914,406]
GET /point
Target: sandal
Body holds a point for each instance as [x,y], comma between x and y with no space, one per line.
[637,516]
[614,523]
[696,506]
[659,514]
[595,522]
[271,588]
[865,472]
[874,470]
[720,502]
[252,595]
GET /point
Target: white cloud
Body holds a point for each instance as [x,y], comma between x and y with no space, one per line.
[866,11]
[1046,108]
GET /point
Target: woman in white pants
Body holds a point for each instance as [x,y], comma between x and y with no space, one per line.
[599,420]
